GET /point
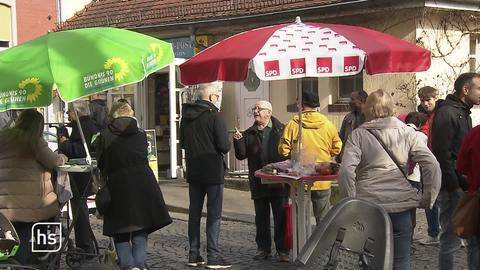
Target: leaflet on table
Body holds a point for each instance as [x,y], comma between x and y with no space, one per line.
[286,175]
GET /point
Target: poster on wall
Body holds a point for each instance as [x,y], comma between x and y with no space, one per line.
[152,151]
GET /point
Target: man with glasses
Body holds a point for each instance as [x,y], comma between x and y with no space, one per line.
[259,144]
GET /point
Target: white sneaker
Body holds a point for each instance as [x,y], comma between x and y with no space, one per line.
[430,241]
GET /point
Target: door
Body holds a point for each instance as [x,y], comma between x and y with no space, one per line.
[247,93]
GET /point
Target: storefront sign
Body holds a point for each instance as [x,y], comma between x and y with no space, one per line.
[184,47]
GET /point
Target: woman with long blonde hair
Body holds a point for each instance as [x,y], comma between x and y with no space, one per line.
[375,165]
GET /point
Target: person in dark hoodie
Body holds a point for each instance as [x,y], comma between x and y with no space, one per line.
[98,111]
[204,136]
[137,206]
[73,147]
[259,143]
[451,124]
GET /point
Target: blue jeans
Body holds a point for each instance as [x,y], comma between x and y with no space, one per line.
[449,242]
[197,194]
[262,223]
[131,249]
[432,220]
[402,239]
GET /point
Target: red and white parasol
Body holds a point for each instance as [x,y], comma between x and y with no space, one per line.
[297,50]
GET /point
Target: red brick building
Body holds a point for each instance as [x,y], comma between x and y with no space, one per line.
[24,20]
[35,18]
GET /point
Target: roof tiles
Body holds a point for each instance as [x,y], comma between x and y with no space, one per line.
[136,13]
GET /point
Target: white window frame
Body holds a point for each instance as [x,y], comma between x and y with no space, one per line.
[474,53]
[13,17]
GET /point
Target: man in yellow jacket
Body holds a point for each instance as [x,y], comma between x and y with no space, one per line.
[320,142]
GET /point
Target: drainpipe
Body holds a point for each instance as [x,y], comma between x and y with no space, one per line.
[471,5]
[172,88]
[59,13]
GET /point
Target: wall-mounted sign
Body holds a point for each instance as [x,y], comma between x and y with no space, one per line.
[183,47]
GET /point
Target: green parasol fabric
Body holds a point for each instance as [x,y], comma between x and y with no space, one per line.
[78,63]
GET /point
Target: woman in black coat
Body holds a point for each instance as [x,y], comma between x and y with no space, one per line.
[137,206]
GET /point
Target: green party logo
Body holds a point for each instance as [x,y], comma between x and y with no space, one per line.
[30,83]
[116,69]
[155,57]
[157,51]
[121,67]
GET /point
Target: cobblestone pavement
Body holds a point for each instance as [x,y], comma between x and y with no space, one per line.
[168,247]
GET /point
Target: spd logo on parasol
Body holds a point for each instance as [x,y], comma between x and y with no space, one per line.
[297,66]
[351,63]
[324,65]
[272,68]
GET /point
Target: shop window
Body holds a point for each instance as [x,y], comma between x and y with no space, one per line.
[349,84]
[474,55]
[309,83]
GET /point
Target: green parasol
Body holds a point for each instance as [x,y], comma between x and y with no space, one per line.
[79,62]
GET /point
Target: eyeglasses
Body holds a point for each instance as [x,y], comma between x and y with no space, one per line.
[254,109]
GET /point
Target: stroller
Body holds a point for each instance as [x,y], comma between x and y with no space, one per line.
[9,242]
[354,235]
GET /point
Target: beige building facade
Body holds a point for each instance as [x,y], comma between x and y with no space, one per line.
[450,29]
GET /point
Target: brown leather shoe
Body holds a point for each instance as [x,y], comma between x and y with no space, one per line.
[262,255]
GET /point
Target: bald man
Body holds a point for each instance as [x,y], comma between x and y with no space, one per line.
[259,144]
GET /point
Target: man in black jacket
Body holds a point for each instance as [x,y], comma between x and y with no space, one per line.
[451,123]
[204,136]
[259,144]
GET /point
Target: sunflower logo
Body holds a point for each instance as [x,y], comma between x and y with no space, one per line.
[158,51]
[37,88]
[121,67]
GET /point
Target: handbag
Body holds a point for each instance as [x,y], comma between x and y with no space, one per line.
[466,216]
[103,199]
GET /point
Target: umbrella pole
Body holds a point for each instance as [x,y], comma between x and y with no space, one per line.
[88,158]
[299,105]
